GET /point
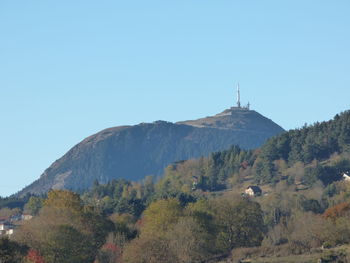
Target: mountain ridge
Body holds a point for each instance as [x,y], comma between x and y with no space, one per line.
[133,152]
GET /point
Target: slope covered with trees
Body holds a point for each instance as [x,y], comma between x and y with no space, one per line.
[197,212]
[316,153]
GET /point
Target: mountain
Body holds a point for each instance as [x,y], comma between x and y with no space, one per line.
[132,152]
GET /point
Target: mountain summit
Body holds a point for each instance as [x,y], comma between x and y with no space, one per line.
[236,119]
[132,152]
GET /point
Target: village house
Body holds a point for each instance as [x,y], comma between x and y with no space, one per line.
[195,182]
[15,218]
[253,190]
[346,177]
[6,229]
[26,217]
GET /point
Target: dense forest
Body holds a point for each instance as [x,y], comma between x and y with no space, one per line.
[198,212]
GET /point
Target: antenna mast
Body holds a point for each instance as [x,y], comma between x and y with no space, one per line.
[238,97]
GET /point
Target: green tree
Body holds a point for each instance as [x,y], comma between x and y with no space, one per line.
[34,205]
[160,216]
[65,244]
[63,199]
[11,251]
[240,223]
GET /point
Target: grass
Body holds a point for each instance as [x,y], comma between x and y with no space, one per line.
[327,255]
[312,258]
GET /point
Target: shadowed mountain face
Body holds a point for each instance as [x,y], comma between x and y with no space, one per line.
[131,152]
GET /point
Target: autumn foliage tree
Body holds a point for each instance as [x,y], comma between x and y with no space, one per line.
[173,233]
[169,234]
[33,256]
[65,230]
[340,210]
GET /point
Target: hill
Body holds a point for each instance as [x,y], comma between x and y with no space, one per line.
[302,214]
[316,154]
[131,152]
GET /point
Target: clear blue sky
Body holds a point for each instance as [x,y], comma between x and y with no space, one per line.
[71,68]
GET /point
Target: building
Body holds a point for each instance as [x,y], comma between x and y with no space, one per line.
[253,190]
[26,217]
[194,183]
[15,218]
[346,177]
[6,229]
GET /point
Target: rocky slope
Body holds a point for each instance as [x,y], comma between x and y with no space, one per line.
[132,152]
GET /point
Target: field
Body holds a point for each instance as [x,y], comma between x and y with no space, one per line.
[339,254]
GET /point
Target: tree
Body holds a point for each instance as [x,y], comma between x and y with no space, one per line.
[11,251]
[160,216]
[34,205]
[149,249]
[63,199]
[340,210]
[33,256]
[189,241]
[65,230]
[65,244]
[240,223]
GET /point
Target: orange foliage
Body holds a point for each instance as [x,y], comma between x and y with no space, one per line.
[34,256]
[336,211]
[111,247]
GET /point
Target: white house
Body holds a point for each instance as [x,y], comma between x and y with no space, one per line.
[4,226]
[346,176]
[6,229]
[26,217]
[253,190]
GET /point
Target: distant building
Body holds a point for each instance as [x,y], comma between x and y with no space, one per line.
[4,219]
[6,229]
[253,190]
[26,217]
[346,176]
[299,186]
[16,218]
[3,226]
[194,183]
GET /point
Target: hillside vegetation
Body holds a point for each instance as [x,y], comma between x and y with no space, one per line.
[197,212]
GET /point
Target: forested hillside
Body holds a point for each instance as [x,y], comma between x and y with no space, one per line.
[319,152]
[198,211]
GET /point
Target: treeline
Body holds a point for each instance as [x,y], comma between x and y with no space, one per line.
[309,144]
[121,196]
[304,156]
[14,202]
[196,211]
[316,142]
[67,230]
